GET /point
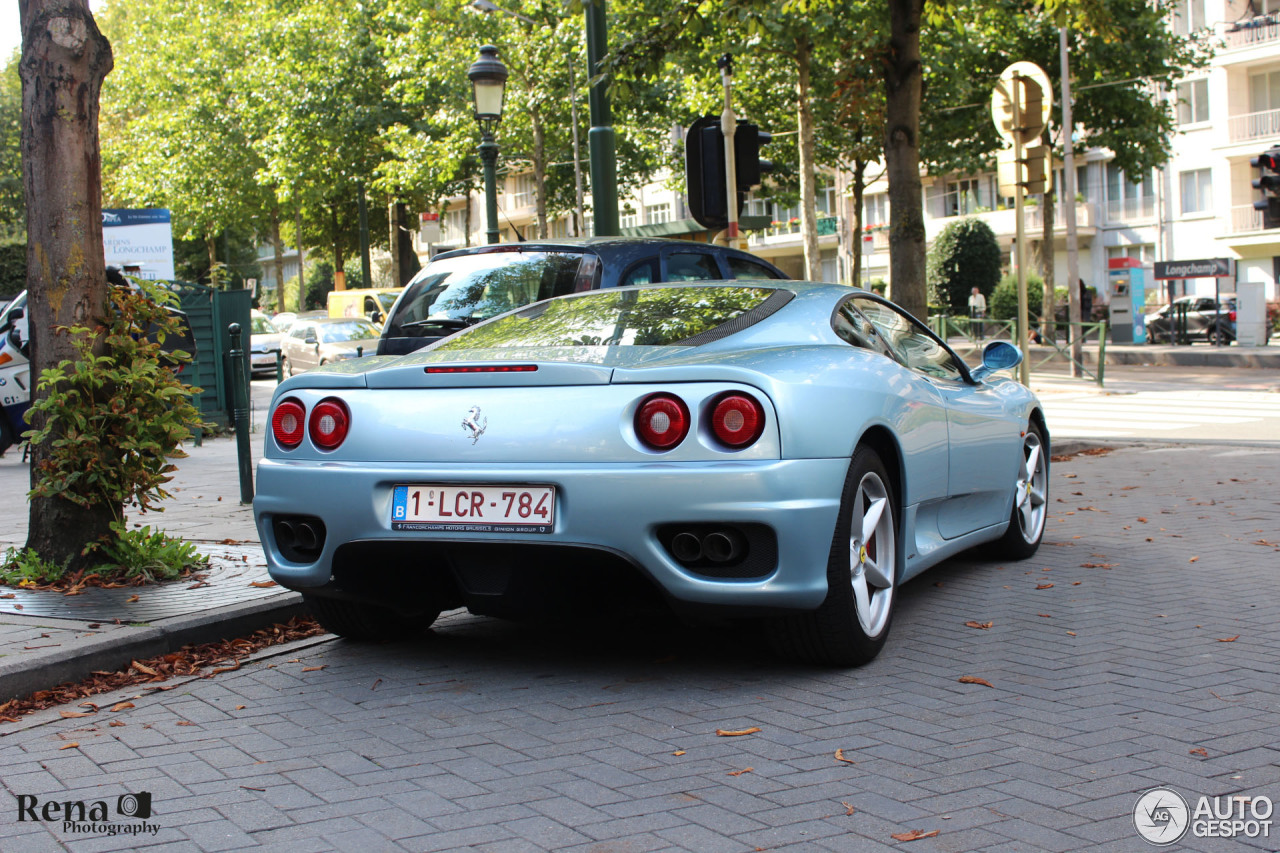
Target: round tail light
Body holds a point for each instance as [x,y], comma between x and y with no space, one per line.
[288,422]
[737,420]
[330,421]
[662,421]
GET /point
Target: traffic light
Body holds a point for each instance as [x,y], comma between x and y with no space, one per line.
[705,173]
[1268,180]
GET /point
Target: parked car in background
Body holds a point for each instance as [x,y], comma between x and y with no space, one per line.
[264,343]
[460,288]
[1207,320]
[786,450]
[373,303]
[316,342]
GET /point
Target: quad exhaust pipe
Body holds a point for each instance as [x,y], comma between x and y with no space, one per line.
[718,546]
[299,537]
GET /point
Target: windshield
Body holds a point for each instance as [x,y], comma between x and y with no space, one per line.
[387,298]
[650,316]
[261,326]
[454,292]
[350,330]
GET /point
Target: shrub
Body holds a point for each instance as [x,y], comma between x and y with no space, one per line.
[13,269]
[1003,304]
[150,555]
[965,255]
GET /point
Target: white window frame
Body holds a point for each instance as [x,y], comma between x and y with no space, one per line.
[1195,189]
[1193,102]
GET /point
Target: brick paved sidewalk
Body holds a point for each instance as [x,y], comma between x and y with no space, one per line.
[1140,647]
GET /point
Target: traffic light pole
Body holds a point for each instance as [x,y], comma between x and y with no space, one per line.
[1020,248]
[600,139]
[728,126]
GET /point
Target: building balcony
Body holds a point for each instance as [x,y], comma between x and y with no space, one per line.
[1263,29]
[1245,219]
[1131,209]
[788,233]
[1250,126]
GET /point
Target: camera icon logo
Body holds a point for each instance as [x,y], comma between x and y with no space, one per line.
[134,805]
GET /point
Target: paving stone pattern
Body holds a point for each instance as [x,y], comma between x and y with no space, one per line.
[601,736]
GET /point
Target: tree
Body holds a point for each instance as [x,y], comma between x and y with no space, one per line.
[964,256]
[64,62]
[903,78]
[13,208]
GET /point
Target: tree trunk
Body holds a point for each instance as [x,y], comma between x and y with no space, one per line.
[902,76]
[64,61]
[540,172]
[302,265]
[859,189]
[808,170]
[211,249]
[277,246]
[407,257]
[1048,310]
[395,236]
[339,262]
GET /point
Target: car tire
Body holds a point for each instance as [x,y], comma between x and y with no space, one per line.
[357,620]
[1030,511]
[850,626]
[1218,335]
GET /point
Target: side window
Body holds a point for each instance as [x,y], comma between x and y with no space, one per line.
[855,329]
[645,272]
[692,266]
[910,343]
[299,331]
[743,268]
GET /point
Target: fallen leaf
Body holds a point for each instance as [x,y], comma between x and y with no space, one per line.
[1044,615]
[678,752]
[263,584]
[1229,639]
[375,684]
[848,809]
[1141,519]
[9,595]
[1193,559]
[1097,565]
[67,715]
[234,666]
[122,706]
[915,835]
[981,626]
[143,668]
[1201,751]
[90,706]
[1044,586]
[241,707]
[314,668]
[185,723]
[973,679]
[251,788]
[1071,633]
[736,732]
[840,757]
[115,724]
[17,607]
[73,745]
[740,772]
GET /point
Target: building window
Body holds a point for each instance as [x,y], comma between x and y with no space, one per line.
[1197,191]
[1188,16]
[655,214]
[875,209]
[559,226]
[628,218]
[454,226]
[1144,253]
[1264,91]
[588,225]
[825,200]
[1193,102]
[965,196]
[1128,198]
[523,194]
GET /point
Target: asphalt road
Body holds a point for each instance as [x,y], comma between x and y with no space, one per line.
[1139,648]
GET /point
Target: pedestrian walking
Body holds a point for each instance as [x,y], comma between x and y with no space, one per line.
[977,311]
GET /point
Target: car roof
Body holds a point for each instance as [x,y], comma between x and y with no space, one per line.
[615,253]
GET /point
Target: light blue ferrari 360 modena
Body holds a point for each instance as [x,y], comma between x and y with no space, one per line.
[785,451]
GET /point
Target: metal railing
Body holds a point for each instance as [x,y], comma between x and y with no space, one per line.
[976,332]
[1251,31]
[1242,128]
[1142,207]
[1245,218]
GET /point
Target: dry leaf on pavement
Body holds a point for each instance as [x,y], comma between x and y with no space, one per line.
[1044,586]
[314,668]
[736,732]
[1228,639]
[263,584]
[915,835]
[122,706]
[740,772]
[67,715]
[131,599]
[981,626]
[840,757]
[1200,751]
[848,809]
[973,679]
[678,752]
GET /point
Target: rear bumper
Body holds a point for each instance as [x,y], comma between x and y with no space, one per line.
[611,507]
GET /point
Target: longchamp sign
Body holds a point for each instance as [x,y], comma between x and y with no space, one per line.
[1208,268]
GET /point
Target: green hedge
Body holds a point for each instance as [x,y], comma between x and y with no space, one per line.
[13,269]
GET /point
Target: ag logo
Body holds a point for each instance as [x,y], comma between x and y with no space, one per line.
[1161,816]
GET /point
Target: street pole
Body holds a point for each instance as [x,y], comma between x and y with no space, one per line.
[1020,249]
[577,150]
[366,266]
[1074,320]
[728,126]
[600,139]
[489,157]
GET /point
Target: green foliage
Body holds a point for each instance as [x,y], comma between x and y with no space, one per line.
[13,208]
[151,555]
[112,421]
[13,269]
[24,567]
[1003,302]
[964,256]
[319,284]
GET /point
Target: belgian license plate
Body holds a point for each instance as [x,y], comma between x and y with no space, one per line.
[474,508]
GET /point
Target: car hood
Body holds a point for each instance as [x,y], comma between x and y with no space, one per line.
[260,342]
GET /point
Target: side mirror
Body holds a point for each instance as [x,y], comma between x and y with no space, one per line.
[311,338]
[996,356]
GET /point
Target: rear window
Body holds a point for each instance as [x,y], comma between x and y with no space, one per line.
[649,316]
[451,293]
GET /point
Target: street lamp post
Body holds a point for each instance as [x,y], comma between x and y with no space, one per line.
[488,81]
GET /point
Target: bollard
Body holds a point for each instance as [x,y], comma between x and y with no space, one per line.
[240,414]
[359,352]
[279,366]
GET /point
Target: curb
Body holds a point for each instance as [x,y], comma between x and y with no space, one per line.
[115,650]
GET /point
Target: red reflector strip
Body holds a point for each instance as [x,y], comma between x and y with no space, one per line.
[486,368]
